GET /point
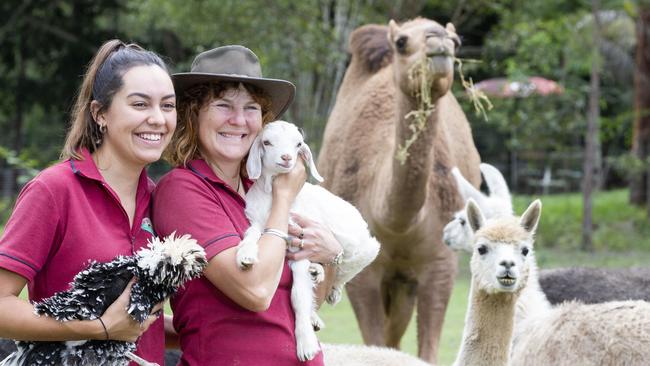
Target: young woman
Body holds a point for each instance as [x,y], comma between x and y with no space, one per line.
[232,316]
[94,205]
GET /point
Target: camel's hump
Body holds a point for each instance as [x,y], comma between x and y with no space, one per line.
[369,44]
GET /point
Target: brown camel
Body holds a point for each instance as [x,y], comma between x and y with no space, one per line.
[406,204]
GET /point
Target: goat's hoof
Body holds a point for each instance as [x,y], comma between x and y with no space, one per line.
[246,257]
[317,272]
[316,321]
[334,296]
[308,349]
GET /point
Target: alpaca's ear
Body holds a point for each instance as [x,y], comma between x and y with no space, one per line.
[530,217]
[474,215]
[254,162]
[393,28]
[305,152]
[466,189]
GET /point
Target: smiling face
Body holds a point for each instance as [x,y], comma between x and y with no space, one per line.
[227,127]
[141,117]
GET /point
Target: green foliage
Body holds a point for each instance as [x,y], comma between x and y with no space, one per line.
[619,226]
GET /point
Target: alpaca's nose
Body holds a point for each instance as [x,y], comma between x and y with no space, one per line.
[286,157]
[507,264]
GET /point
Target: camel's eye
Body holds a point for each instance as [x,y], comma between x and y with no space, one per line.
[524,251]
[267,143]
[400,44]
[482,249]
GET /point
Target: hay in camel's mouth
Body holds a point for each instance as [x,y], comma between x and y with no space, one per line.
[421,74]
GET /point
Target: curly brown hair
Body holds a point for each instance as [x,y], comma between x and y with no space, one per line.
[184,145]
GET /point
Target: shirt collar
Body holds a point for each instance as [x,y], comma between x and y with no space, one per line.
[201,168]
[87,168]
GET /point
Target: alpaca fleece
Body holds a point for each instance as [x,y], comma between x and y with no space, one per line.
[160,269]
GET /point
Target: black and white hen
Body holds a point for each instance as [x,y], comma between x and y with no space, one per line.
[160,268]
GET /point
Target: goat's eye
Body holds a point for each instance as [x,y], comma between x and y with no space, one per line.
[524,251]
[299,144]
[482,249]
[462,221]
[267,143]
[400,44]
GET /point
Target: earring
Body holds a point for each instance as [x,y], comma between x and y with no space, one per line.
[102,132]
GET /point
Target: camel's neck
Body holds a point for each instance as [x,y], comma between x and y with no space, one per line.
[408,186]
[488,329]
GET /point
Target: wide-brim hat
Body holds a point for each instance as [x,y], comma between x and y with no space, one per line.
[235,63]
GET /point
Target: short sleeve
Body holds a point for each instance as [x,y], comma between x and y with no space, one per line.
[31,232]
[186,204]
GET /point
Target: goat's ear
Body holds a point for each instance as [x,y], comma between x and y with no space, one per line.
[466,189]
[530,218]
[305,152]
[474,215]
[254,162]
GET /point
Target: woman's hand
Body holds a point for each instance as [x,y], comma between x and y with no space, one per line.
[286,186]
[318,242]
[120,326]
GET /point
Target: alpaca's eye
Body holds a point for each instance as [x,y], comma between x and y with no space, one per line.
[462,221]
[482,249]
[267,143]
[299,144]
[524,251]
[400,44]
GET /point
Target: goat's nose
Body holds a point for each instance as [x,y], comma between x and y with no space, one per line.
[286,157]
[507,264]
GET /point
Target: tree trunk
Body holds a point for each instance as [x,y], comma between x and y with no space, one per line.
[10,173]
[641,135]
[591,139]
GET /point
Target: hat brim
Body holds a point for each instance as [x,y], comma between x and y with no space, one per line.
[281,92]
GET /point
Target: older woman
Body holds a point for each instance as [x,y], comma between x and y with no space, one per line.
[95,204]
[232,316]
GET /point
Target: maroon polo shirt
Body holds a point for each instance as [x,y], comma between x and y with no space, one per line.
[65,217]
[213,329]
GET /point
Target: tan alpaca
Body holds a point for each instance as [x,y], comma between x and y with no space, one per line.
[501,264]
[569,334]
[406,205]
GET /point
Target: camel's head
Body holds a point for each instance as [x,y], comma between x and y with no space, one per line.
[427,44]
[502,248]
[276,149]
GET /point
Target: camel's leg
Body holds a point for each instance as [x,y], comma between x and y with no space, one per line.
[400,302]
[434,291]
[367,302]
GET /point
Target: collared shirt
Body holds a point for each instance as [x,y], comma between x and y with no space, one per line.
[65,217]
[213,329]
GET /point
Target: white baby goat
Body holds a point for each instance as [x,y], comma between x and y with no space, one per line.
[275,151]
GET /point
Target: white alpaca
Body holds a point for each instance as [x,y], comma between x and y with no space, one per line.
[457,234]
[613,333]
[358,355]
[274,151]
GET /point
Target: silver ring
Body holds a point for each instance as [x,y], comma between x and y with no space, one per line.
[301,244]
[302,233]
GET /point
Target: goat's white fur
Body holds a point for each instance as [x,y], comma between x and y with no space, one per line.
[274,151]
[457,233]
